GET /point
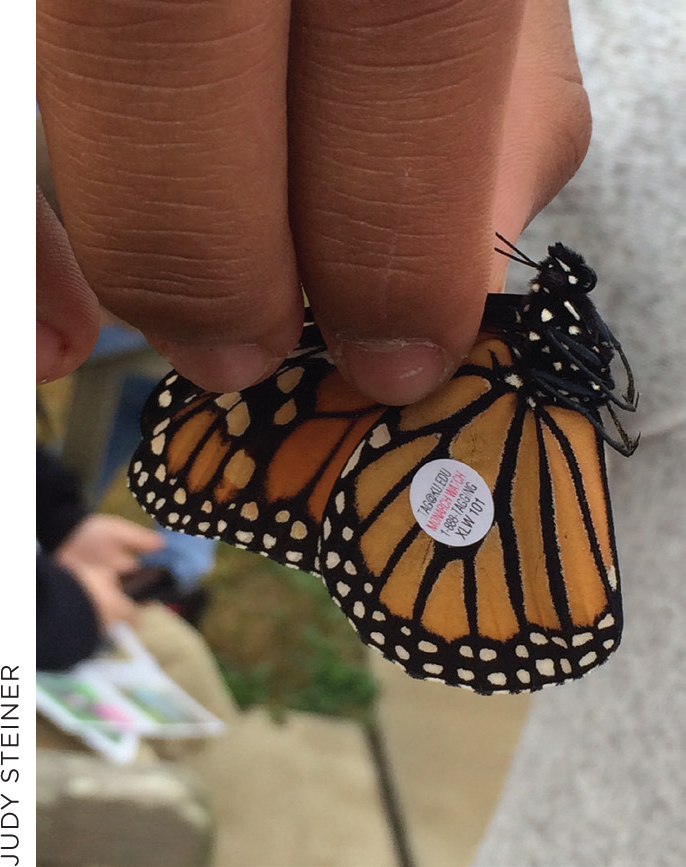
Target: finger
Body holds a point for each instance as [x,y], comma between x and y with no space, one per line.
[547,124]
[119,608]
[138,539]
[66,309]
[121,562]
[167,133]
[396,114]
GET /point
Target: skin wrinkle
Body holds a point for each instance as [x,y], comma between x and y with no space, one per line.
[411,15]
[381,68]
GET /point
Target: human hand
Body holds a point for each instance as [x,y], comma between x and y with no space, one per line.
[192,174]
[106,542]
[104,589]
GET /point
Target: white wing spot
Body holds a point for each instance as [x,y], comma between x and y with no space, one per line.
[546,315]
[332,559]
[164,399]
[221,526]
[546,667]
[326,528]
[342,589]
[497,678]
[487,654]
[466,650]
[347,533]
[172,517]
[160,502]
[206,507]
[137,467]
[406,630]
[286,412]
[288,380]
[537,638]
[142,479]
[378,637]
[282,516]
[606,622]
[523,675]
[612,578]
[566,666]
[352,461]
[465,674]
[349,567]
[244,536]
[589,658]
[180,496]
[359,609]
[402,652]
[380,437]
[204,526]
[298,530]
[522,651]
[340,501]
[379,616]
[581,638]
[268,541]
[250,511]
[428,647]
[432,668]
[294,556]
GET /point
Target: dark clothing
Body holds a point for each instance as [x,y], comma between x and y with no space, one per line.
[67,626]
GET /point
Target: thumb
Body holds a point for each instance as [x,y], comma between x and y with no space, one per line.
[67,312]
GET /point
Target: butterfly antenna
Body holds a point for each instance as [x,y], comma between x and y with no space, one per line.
[522,258]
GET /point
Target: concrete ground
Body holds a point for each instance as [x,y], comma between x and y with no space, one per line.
[305,793]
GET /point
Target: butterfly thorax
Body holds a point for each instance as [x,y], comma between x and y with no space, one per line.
[560,341]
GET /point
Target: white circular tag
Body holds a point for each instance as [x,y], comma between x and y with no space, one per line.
[451,502]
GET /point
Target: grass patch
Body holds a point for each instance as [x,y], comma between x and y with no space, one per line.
[282,643]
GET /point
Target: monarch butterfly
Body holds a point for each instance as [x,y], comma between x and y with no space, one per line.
[467,537]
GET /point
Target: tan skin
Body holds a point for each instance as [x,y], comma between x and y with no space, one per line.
[97,553]
[199,184]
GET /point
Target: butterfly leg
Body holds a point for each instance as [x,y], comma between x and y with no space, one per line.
[571,350]
[626,445]
[630,394]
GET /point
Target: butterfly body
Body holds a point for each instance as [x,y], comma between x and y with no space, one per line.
[305,470]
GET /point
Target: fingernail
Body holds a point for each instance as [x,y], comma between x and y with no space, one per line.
[220,368]
[50,351]
[395,372]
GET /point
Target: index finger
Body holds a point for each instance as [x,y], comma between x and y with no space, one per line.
[396,122]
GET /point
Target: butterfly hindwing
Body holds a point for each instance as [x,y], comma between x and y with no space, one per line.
[537,600]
